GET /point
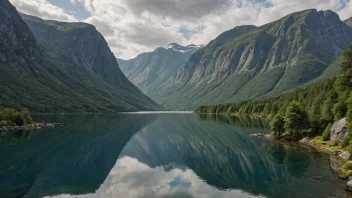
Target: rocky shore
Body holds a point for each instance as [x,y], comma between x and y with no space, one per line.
[261,135]
[29,127]
[338,133]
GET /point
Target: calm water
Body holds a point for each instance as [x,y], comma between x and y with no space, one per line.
[159,155]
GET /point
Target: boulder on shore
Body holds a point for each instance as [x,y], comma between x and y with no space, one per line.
[305,140]
[349,186]
[339,130]
[345,155]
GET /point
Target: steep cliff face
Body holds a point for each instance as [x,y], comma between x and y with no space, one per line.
[17,44]
[256,62]
[80,42]
[349,22]
[155,71]
[72,70]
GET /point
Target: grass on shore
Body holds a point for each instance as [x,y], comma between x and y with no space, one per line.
[346,170]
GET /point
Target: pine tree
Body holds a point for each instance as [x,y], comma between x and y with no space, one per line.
[277,125]
[296,118]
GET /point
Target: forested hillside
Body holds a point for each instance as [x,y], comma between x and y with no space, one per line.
[72,70]
[307,111]
[248,62]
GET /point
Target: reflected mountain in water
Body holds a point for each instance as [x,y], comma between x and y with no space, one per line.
[73,159]
[169,155]
[226,157]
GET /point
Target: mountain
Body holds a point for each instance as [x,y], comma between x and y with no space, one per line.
[250,62]
[71,69]
[155,71]
[349,22]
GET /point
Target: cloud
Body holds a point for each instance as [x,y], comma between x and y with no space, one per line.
[135,26]
[42,9]
[131,178]
[180,9]
[346,12]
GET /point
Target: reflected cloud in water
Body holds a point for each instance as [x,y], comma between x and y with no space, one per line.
[154,155]
[133,179]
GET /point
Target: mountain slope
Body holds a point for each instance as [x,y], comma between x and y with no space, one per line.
[349,22]
[155,71]
[76,71]
[251,62]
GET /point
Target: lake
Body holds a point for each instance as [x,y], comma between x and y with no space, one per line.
[159,155]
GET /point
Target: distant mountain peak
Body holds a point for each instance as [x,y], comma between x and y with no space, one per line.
[179,48]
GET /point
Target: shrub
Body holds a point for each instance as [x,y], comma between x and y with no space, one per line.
[347,166]
[3,123]
[346,141]
[326,133]
[10,117]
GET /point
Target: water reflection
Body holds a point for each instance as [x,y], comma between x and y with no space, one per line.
[13,138]
[73,159]
[240,121]
[131,178]
[163,156]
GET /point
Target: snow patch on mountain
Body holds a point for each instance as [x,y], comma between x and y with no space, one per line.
[183,49]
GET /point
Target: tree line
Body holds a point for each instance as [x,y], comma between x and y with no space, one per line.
[12,117]
[307,111]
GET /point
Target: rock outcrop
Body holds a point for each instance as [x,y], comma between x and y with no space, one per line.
[57,67]
[338,130]
[29,127]
[305,140]
[250,62]
[345,155]
[349,22]
[336,163]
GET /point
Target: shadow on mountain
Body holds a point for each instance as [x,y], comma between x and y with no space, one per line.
[73,159]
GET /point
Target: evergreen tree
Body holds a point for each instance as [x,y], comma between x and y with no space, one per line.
[296,118]
[326,134]
[326,113]
[349,113]
[343,82]
[277,125]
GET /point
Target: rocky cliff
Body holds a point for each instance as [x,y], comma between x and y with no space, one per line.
[72,69]
[349,22]
[251,62]
[155,71]
[339,130]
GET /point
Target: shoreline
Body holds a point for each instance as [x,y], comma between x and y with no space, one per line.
[307,144]
[29,127]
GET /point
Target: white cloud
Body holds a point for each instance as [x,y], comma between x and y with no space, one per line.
[133,179]
[135,26]
[42,9]
[347,11]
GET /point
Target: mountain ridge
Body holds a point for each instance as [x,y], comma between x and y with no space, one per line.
[153,72]
[249,62]
[348,22]
[48,81]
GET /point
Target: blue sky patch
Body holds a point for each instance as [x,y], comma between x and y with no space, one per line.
[180,182]
[77,10]
[188,33]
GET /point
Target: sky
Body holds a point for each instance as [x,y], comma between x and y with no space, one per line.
[132,27]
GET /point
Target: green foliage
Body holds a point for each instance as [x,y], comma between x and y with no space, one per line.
[347,166]
[277,125]
[326,133]
[12,117]
[55,79]
[347,141]
[309,110]
[296,119]
[349,112]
